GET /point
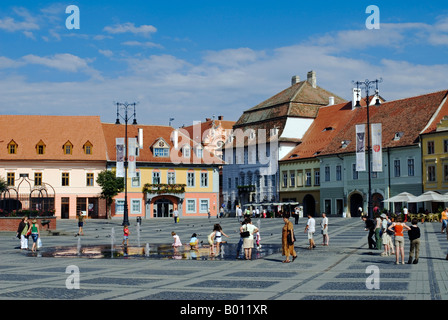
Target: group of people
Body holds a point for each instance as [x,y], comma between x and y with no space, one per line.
[382,229]
[27,229]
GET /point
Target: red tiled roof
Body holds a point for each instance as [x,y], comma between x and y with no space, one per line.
[54,131]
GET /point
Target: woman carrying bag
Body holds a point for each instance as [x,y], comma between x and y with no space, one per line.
[288,239]
[247,233]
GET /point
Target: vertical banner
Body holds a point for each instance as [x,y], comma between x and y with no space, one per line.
[132,144]
[119,145]
[360,147]
[377,149]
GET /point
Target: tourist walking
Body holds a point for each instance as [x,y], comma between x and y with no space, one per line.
[248,238]
[176,216]
[370,226]
[310,229]
[399,227]
[386,236]
[414,238]
[324,227]
[126,233]
[444,219]
[218,236]
[379,242]
[22,232]
[35,234]
[288,240]
[81,217]
[240,242]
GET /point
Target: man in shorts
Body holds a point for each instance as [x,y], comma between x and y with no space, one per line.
[311,228]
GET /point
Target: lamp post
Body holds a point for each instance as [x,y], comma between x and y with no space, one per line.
[367,85]
[125,106]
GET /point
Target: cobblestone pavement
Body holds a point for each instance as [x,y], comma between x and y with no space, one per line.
[344,270]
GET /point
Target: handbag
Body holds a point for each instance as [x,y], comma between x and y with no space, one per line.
[245,234]
[290,238]
[39,243]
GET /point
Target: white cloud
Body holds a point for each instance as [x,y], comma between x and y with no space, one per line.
[130,27]
[146,44]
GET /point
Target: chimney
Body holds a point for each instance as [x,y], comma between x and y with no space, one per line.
[311,78]
[356,97]
[330,101]
[294,80]
[220,118]
[175,139]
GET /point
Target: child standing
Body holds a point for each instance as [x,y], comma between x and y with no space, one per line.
[125,235]
[414,237]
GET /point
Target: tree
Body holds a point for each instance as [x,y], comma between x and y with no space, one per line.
[3,185]
[111,186]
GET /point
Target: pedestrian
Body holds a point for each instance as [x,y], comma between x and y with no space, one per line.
[288,240]
[22,231]
[194,242]
[444,219]
[240,242]
[296,215]
[35,234]
[248,240]
[379,242]
[221,212]
[385,237]
[208,214]
[399,227]
[414,238]
[218,236]
[177,243]
[324,231]
[211,242]
[405,212]
[176,216]
[80,223]
[310,229]
[126,233]
[370,226]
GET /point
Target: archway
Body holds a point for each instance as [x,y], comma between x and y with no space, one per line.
[309,205]
[356,201]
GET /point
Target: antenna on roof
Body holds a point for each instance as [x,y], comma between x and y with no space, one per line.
[171,119]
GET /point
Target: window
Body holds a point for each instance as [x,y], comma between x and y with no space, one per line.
[317,178]
[445,146]
[354,172]
[199,152]
[89,179]
[171,177]
[65,179]
[338,172]
[135,181]
[445,172]
[430,147]
[40,147]
[292,179]
[12,147]
[10,177]
[190,179]
[191,206]
[186,151]
[38,178]
[229,186]
[396,168]
[308,178]
[327,206]
[411,170]
[265,178]
[285,179]
[236,182]
[156,177]
[119,206]
[161,152]
[204,179]
[136,206]
[67,147]
[88,148]
[327,173]
[203,205]
[431,173]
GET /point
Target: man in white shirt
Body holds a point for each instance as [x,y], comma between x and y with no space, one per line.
[324,226]
[311,228]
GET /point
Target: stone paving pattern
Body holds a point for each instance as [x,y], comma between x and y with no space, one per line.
[336,272]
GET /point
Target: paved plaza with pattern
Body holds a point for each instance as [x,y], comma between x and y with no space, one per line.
[335,272]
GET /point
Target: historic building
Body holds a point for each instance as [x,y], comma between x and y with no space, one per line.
[172,173]
[264,134]
[51,163]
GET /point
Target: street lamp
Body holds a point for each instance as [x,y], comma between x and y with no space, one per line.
[125,106]
[367,85]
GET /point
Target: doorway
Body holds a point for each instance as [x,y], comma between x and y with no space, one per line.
[356,201]
[65,207]
[309,205]
[163,208]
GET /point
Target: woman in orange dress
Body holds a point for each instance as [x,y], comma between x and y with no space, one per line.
[288,246]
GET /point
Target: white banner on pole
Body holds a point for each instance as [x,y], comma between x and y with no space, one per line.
[132,144]
[119,145]
[377,148]
[360,147]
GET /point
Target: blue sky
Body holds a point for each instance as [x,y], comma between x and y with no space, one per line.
[194,59]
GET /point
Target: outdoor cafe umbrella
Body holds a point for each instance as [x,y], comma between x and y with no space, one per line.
[430,196]
[402,197]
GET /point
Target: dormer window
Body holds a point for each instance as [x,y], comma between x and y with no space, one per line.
[68,147]
[88,148]
[398,136]
[199,151]
[161,149]
[40,147]
[12,147]
[186,151]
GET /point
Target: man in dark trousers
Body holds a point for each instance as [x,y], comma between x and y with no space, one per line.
[370,226]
